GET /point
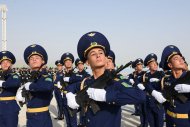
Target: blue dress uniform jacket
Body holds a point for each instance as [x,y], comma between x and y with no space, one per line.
[155,111]
[9,108]
[178,113]
[37,107]
[71,121]
[83,74]
[58,96]
[117,95]
[82,119]
[143,106]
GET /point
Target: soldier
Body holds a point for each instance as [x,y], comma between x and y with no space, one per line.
[111,61]
[137,74]
[152,83]
[57,89]
[93,48]
[137,65]
[40,88]
[69,77]
[177,86]
[9,83]
[83,74]
[81,69]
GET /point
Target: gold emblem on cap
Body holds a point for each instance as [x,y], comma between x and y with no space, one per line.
[5,57]
[94,43]
[91,34]
[33,46]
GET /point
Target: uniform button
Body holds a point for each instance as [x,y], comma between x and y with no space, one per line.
[113,102]
[90,107]
[88,120]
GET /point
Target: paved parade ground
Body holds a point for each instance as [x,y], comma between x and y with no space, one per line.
[127,119]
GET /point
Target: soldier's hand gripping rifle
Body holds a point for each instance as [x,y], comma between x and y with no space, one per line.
[3,76]
[65,84]
[34,75]
[170,93]
[82,97]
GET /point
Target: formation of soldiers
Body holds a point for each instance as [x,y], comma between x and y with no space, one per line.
[158,96]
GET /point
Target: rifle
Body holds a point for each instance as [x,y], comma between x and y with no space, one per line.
[63,83]
[34,75]
[3,76]
[170,93]
[82,97]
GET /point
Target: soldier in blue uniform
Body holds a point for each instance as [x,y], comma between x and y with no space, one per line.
[110,65]
[93,48]
[177,110]
[152,82]
[9,83]
[134,76]
[69,77]
[57,89]
[81,69]
[83,74]
[137,75]
[40,88]
[111,61]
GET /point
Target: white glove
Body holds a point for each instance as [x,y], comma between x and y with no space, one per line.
[132,81]
[59,85]
[141,86]
[66,79]
[27,85]
[19,96]
[97,94]
[158,96]
[154,80]
[1,83]
[182,88]
[71,102]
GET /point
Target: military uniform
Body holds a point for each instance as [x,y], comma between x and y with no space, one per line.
[69,77]
[83,74]
[177,111]
[57,92]
[9,83]
[116,94]
[152,81]
[40,90]
[142,108]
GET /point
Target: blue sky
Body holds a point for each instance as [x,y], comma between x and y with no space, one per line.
[134,28]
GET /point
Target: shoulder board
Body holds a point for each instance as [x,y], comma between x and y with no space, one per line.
[48,79]
[116,79]
[126,84]
[15,76]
